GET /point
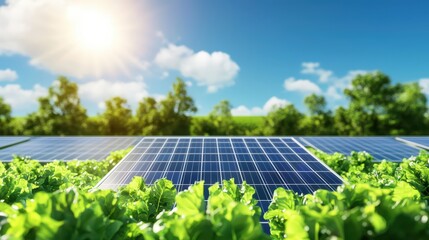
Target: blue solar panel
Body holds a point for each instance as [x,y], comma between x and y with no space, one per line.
[8,141]
[47,149]
[422,142]
[379,147]
[265,163]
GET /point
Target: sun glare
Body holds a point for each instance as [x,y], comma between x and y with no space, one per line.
[98,37]
[93,30]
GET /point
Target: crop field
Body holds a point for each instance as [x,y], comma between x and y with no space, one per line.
[58,201]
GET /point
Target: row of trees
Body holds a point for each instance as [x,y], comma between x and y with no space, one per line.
[61,113]
[376,107]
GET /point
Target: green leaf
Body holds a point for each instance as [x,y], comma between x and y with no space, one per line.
[295,227]
[161,197]
[191,201]
[404,190]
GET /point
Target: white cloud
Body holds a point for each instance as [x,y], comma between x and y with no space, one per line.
[22,100]
[272,103]
[275,102]
[165,74]
[101,90]
[424,84]
[139,78]
[214,70]
[47,32]
[340,83]
[301,85]
[172,56]
[337,83]
[346,80]
[101,106]
[145,65]
[188,83]
[313,68]
[245,111]
[332,93]
[8,75]
[158,97]
[336,86]
[161,36]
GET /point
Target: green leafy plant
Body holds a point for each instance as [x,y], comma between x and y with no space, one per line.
[231,213]
[384,200]
[23,177]
[357,211]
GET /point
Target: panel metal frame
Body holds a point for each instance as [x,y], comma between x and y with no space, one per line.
[413,143]
[25,139]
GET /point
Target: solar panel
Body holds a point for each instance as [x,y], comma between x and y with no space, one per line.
[47,149]
[264,163]
[422,142]
[379,147]
[9,141]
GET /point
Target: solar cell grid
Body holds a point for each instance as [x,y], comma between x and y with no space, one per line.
[379,147]
[264,163]
[46,149]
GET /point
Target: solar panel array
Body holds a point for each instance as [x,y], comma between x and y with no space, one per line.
[8,141]
[379,147]
[47,149]
[264,163]
[422,142]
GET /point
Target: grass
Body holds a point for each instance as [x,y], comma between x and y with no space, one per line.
[243,120]
[249,120]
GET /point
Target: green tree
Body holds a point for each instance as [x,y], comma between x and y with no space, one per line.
[221,118]
[316,104]
[175,110]
[117,116]
[320,121]
[60,113]
[407,114]
[284,121]
[170,116]
[201,126]
[148,117]
[5,117]
[219,121]
[95,125]
[370,95]
[342,123]
[16,126]
[377,107]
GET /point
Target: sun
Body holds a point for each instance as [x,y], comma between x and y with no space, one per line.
[92,29]
[98,37]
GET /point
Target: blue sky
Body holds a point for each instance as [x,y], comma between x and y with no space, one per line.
[256,54]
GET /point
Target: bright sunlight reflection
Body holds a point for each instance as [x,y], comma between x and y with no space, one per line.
[100,37]
[93,30]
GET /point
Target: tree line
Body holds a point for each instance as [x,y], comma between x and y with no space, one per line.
[376,106]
